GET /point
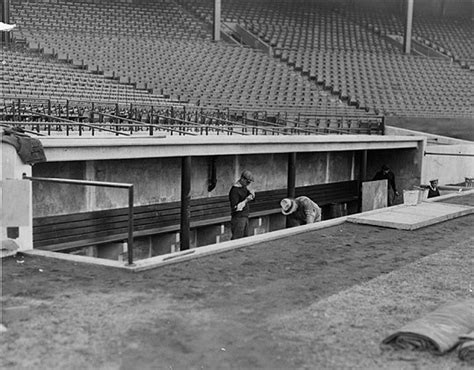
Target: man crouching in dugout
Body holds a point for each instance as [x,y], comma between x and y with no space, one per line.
[300,211]
[239,197]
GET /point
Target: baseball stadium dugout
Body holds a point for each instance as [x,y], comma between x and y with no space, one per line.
[78,230]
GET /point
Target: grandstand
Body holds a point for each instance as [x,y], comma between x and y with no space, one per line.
[324,57]
[283,68]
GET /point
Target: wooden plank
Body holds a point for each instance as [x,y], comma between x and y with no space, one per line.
[109,222]
[93,215]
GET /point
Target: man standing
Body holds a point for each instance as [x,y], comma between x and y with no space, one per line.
[300,211]
[386,173]
[433,190]
[239,197]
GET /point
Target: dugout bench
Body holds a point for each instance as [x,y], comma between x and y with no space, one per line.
[96,228]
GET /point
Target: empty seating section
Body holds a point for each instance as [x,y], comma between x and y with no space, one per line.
[290,25]
[331,58]
[450,35]
[346,50]
[27,75]
[190,68]
[391,84]
[150,19]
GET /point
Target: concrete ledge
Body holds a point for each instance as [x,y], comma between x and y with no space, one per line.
[412,217]
[171,258]
[61,149]
[457,192]
[75,258]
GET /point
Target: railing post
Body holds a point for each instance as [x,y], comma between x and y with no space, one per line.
[130,225]
[151,121]
[117,119]
[19,110]
[13,110]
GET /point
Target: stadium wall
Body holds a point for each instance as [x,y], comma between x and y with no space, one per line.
[458,128]
[449,160]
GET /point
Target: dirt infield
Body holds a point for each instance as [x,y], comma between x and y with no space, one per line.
[320,300]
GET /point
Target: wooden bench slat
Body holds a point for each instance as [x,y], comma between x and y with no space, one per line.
[93,215]
[140,218]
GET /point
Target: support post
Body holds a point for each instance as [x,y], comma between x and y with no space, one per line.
[291,192]
[408,27]
[185,201]
[362,175]
[217,20]
[363,165]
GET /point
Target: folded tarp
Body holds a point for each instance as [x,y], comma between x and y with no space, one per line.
[466,347]
[438,331]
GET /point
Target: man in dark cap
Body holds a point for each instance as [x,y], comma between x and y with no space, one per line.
[239,197]
[386,173]
[433,190]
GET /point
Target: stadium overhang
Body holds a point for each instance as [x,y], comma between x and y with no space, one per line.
[77,149]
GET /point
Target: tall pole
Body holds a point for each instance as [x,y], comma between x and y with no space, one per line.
[217,20]
[185,201]
[408,27]
[6,11]
[6,19]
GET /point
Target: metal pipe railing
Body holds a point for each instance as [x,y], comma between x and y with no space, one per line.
[451,154]
[102,184]
[80,124]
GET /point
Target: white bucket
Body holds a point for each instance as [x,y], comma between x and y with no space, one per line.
[423,195]
[411,197]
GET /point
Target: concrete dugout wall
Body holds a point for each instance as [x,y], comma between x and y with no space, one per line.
[157,180]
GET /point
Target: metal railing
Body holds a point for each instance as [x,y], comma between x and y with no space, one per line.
[179,120]
[101,184]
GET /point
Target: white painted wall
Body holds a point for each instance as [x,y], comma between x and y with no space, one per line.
[448,169]
[12,214]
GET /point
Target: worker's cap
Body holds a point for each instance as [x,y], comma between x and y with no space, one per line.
[288,206]
[247,175]
[385,167]
[433,180]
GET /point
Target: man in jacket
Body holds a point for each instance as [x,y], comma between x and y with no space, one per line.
[300,211]
[386,173]
[239,197]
